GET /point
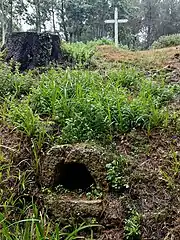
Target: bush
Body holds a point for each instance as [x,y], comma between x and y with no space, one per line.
[80,52]
[102,41]
[167,41]
[14,84]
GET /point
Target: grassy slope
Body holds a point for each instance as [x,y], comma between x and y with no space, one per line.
[150,59]
[153,154]
[154,158]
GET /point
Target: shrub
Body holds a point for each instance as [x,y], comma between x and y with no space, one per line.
[81,53]
[102,41]
[14,84]
[167,41]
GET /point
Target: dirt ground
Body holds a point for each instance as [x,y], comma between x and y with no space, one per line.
[154,187]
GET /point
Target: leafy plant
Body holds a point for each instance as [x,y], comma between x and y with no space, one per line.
[14,84]
[81,53]
[167,41]
[22,116]
[87,106]
[132,226]
[95,193]
[170,175]
[115,173]
[37,227]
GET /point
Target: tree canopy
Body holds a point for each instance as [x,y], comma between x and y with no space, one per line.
[83,20]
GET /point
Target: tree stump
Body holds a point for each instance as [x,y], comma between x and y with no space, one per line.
[32,50]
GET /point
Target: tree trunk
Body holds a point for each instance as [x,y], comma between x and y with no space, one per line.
[32,50]
[10,27]
[63,22]
[38,16]
[53,18]
[3,23]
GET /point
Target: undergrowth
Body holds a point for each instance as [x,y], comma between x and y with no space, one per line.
[167,41]
[82,105]
[80,52]
[68,106]
[37,226]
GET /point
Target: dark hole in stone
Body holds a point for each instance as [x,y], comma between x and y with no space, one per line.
[73,176]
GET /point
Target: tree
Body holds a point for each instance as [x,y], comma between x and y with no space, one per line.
[39,15]
[9,11]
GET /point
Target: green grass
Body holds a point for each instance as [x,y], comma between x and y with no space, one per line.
[90,106]
[81,53]
[37,226]
[76,105]
[132,226]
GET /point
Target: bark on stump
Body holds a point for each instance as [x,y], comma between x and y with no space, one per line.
[32,50]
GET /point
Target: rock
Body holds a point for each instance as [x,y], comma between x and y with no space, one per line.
[32,50]
[91,160]
[63,209]
[177,55]
[108,212]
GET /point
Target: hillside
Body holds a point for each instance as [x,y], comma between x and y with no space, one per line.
[92,151]
[149,59]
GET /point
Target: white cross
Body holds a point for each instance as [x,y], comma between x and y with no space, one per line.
[116,21]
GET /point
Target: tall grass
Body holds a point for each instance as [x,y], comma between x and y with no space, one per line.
[87,105]
[80,52]
[14,84]
[38,226]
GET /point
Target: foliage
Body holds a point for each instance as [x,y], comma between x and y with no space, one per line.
[115,173]
[37,226]
[102,41]
[88,107]
[14,84]
[23,117]
[132,226]
[80,52]
[167,41]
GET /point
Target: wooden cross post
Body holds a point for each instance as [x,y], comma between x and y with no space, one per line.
[116,21]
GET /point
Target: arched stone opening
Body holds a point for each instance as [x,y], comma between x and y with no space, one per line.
[73,176]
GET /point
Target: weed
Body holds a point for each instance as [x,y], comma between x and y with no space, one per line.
[14,85]
[171,174]
[81,53]
[88,107]
[22,116]
[115,173]
[95,193]
[37,227]
[132,226]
